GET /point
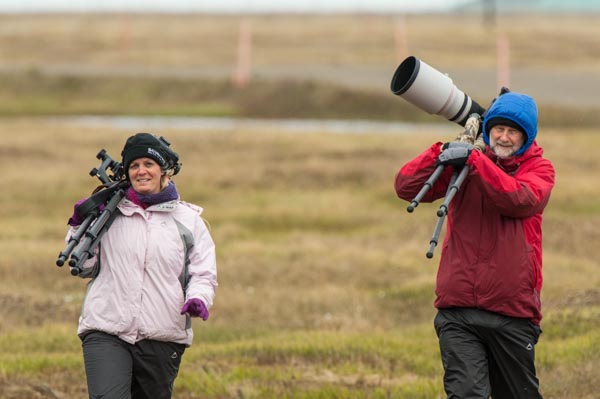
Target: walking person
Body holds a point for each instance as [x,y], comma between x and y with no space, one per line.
[154,269]
[489,277]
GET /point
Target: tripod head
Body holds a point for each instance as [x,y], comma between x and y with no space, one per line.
[107,164]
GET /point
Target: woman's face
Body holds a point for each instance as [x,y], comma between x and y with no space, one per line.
[144,175]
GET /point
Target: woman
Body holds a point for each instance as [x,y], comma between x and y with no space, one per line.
[155,268]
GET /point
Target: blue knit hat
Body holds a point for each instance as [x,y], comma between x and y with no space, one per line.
[516,110]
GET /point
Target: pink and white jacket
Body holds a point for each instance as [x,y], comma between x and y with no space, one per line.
[139,280]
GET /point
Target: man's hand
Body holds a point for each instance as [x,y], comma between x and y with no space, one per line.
[455,154]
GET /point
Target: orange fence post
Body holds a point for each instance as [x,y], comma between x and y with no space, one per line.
[400,39]
[503,61]
[241,75]
[125,37]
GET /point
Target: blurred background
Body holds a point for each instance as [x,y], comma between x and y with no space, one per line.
[320,59]
[290,139]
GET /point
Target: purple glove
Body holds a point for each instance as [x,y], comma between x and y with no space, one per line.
[75,219]
[195,308]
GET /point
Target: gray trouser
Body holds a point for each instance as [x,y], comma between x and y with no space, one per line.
[118,370]
[486,353]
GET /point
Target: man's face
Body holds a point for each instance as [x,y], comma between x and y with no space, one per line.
[506,140]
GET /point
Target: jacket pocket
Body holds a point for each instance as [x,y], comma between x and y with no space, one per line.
[536,272]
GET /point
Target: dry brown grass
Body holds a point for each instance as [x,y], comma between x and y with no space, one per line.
[322,271]
[192,41]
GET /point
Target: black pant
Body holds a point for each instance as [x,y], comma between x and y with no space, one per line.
[486,353]
[118,370]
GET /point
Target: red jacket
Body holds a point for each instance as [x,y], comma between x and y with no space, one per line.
[492,251]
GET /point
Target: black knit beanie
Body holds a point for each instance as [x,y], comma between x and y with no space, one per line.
[503,121]
[143,145]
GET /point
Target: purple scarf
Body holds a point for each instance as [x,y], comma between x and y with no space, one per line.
[145,200]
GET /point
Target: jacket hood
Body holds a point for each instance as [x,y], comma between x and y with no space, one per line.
[516,107]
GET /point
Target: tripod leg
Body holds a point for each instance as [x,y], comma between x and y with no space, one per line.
[95,233]
[455,183]
[436,234]
[426,186]
[74,240]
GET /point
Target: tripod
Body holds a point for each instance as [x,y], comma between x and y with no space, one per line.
[99,211]
[458,176]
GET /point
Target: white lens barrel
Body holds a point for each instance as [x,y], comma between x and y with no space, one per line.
[432,91]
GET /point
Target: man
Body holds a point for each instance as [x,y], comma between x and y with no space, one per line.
[490,272]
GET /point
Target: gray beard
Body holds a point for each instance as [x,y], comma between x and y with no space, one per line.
[502,152]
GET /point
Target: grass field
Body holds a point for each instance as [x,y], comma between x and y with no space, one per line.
[325,291]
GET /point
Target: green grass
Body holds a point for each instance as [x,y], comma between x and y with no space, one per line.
[325,291]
